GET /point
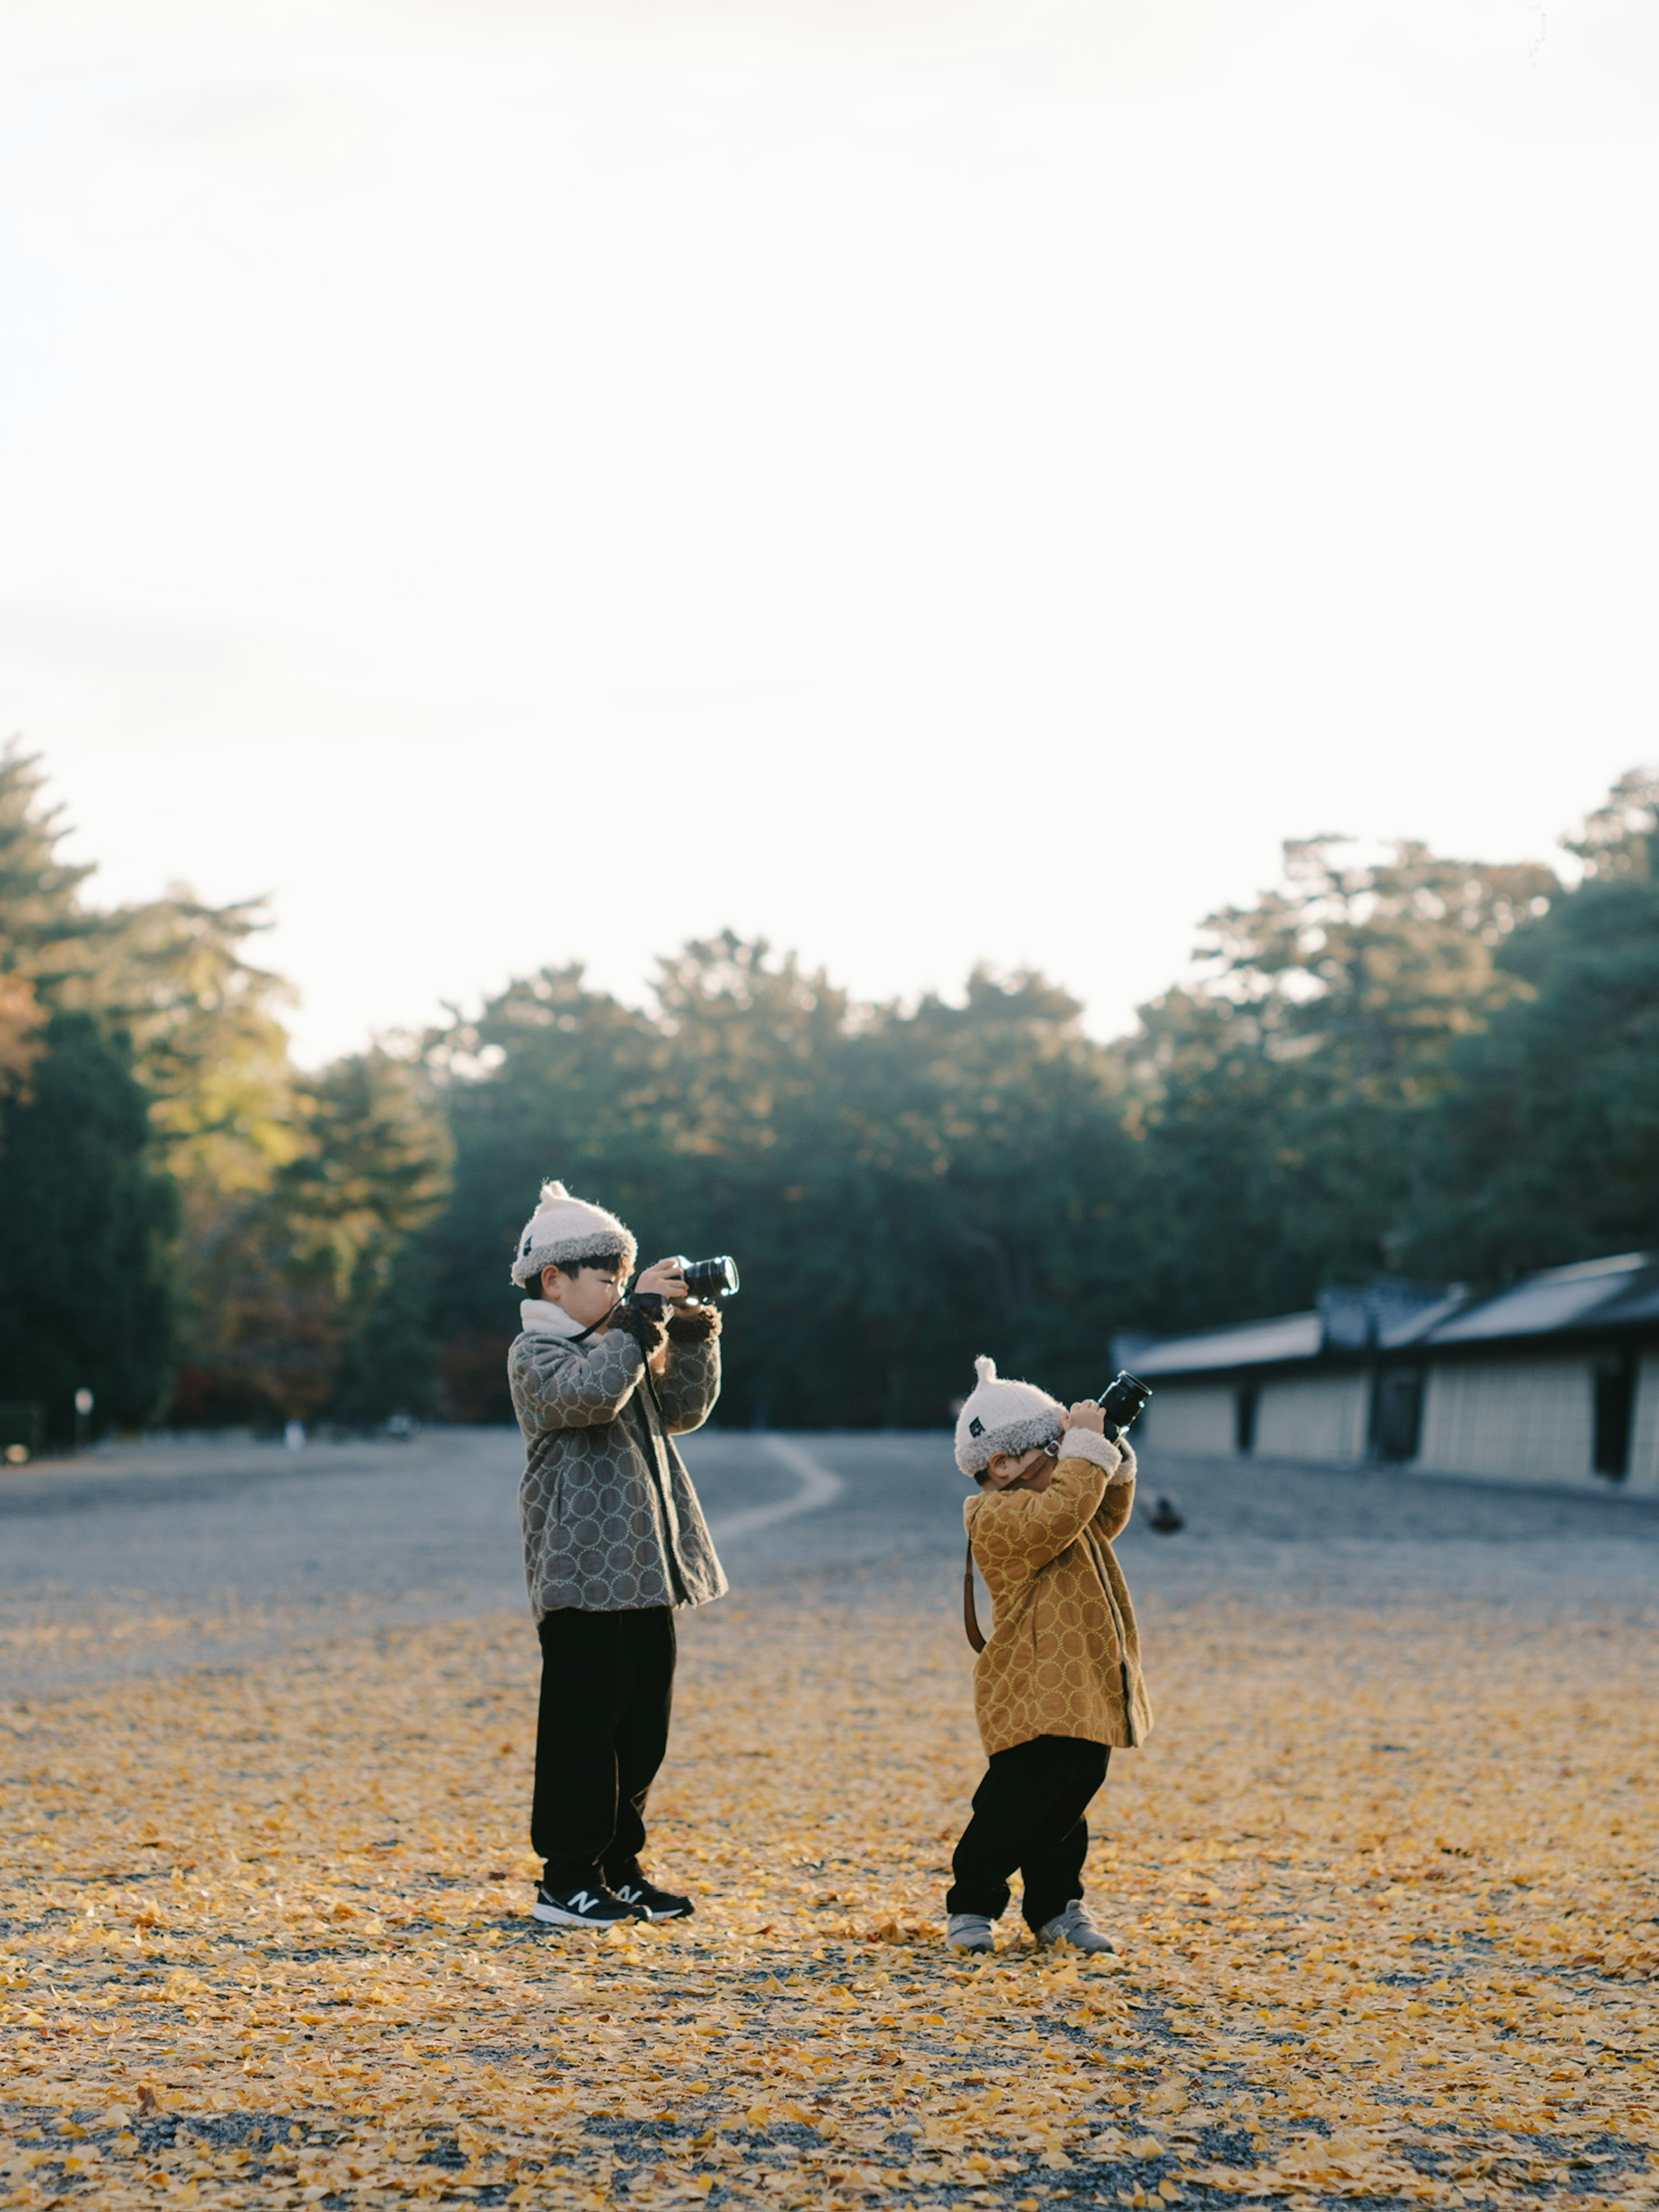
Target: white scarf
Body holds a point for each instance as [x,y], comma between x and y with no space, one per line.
[542,1318]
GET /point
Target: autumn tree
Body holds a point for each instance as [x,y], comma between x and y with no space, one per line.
[147,1094]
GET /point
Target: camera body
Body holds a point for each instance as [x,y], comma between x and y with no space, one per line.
[1123,1399]
[705,1278]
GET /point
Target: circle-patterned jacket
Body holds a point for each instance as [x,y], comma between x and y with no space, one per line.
[610,1520]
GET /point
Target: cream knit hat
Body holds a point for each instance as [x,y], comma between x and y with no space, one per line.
[1004,1416]
[563,1228]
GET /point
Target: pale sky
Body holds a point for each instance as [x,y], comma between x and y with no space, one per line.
[924,480]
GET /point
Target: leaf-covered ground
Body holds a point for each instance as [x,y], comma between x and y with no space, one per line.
[1385,1889]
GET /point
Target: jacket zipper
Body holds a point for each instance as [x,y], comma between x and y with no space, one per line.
[1122,1641]
[660,1482]
[659,1472]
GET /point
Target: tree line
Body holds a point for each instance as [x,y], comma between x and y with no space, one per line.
[1416,1065]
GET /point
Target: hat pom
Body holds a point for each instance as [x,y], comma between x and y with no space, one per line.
[563,1229]
[986,1368]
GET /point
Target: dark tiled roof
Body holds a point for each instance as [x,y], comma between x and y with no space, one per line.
[1639,1302]
[1244,1344]
[1579,1296]
[1390,1315]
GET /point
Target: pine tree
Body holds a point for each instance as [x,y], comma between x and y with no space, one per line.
[1548,1149]
[45,931]
[86,1283]
[1287,1097]
[85,1276]
[42,928]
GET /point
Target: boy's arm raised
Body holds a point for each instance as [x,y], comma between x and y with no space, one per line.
[690,1383]
[560,1385]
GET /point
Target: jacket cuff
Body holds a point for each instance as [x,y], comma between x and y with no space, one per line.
[628,1321]
[1084,1443]
[694,1324]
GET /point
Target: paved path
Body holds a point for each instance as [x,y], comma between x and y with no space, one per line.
[165,1556]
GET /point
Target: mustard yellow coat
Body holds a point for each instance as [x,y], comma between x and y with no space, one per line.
[1064,1657]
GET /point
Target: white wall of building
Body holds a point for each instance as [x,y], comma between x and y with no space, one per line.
[1320,1417]
[1519,1420]
[1645,1439]
[1188,1417]
[1510,1420]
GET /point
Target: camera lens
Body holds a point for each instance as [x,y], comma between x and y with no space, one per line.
[1126,1399]
[712,1278]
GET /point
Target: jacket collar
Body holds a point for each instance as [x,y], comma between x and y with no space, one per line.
[541,1318]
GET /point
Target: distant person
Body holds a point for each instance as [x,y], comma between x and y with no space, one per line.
[1058,1686]
[614,1542]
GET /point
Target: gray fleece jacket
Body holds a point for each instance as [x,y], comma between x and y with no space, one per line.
[610,1520]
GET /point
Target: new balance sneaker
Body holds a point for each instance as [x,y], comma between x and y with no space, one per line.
[651,1903]
[1073,1926]
[969,1931]
[590,1906]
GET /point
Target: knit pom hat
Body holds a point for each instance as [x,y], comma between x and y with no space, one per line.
[562,1229]
[1004,1416]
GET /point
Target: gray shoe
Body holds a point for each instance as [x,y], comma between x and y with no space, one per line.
[969,1931]
[1073,1926]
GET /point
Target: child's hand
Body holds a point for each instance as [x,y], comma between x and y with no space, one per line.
[666,1280]
[1085,1414]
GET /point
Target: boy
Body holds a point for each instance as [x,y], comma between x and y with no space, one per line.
[1059,1682]
[614,1542]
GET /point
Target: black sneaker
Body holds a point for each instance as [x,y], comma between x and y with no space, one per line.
[590,1906]
[651,1903]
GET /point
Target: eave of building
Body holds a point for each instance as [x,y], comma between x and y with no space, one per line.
[1285,1338]
[1593,1296]
[1606,1299]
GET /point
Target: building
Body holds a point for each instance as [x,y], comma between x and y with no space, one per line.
[1555,1380]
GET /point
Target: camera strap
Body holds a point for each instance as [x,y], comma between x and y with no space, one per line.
[970,1616]
[655,1442]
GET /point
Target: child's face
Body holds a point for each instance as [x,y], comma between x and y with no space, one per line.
[1031,1470]
[588,1295]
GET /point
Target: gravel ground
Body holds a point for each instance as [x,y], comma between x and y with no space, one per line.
[167,1555]
[1383,1876]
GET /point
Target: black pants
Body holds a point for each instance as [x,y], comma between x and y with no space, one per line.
[1028,1812]
[601,1731]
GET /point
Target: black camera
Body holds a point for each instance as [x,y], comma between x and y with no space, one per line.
[704,1279]
[1121,1400]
